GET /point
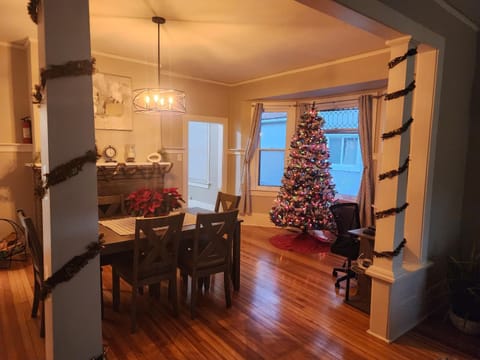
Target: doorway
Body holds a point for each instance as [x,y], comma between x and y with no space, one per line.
[205,169]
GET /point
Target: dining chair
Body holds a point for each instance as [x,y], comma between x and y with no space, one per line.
[226,202]
[36,250]
[210,252]
[155,256]
[346,217]
[111,206]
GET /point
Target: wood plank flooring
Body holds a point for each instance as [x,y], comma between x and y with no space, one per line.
[287,308]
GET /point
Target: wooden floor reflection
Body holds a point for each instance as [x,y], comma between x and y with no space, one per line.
[287,308]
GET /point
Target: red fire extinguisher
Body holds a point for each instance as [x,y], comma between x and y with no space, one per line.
[26,130]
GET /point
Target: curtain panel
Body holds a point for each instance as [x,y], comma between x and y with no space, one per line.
[251,147]
[366,194]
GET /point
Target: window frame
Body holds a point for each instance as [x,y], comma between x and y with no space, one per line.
[293,115]
[290,109]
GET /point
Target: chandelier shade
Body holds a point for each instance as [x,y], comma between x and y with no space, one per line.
[157,100]
[154,100]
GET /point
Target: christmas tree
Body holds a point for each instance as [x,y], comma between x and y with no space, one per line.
[307,190]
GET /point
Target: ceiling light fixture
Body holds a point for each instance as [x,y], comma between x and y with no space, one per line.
[157,100]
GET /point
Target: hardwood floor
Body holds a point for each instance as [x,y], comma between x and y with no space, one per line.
[287,308]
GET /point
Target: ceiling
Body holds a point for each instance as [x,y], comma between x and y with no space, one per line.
[226,41]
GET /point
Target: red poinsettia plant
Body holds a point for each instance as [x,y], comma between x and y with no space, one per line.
[149,202]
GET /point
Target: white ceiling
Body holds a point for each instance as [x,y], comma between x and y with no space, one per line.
[227,41]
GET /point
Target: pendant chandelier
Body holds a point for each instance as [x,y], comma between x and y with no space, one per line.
[158,100]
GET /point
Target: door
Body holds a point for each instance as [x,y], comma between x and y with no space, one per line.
[205,170]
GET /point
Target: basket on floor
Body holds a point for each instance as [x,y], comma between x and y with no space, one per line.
[13,245]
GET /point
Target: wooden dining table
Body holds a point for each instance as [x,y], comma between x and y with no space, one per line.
[114,243]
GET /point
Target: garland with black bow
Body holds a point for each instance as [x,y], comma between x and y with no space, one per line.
[391,254]
[395,172]
[402,92]
[389,212]
[70,68]
[398,131]
[70,269]
[399,59]
[32,9]
[65,171]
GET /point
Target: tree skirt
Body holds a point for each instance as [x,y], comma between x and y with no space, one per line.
[301,243]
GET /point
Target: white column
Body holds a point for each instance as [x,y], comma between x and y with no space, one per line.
[73,323]
[391,193]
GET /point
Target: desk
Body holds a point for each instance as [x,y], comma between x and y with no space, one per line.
[361,300]
[115,244]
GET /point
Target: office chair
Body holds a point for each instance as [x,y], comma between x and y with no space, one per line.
[346,217]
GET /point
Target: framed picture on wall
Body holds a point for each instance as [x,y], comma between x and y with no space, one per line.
[112,101]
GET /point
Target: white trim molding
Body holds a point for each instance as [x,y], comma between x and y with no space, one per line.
[15,147]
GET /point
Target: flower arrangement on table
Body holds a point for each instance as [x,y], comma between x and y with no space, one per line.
[149,202]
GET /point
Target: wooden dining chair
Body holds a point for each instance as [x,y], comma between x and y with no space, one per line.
[111,206]
[155,255]
[210,252]
[36,250]
[226,202]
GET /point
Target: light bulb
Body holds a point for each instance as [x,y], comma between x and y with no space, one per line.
[147,99]
[155,98]
[170,100]
[162,101]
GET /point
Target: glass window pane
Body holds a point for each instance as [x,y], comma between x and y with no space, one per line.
[335,147]
[350,146]
[273,130]
[340,118]
[347,182]
[271,168]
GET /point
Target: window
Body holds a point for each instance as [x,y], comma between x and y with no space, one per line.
[272,148]
[341,130]
[277,127]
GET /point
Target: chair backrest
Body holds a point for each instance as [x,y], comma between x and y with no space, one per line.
[34,244]
[213,239]
[156,245]
[110,206]
[226,202]
[347,217]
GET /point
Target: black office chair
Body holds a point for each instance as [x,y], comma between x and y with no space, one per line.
[346,217]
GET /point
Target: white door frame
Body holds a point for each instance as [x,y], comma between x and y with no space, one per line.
[209,119]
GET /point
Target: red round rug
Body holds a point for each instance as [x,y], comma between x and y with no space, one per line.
[301,243]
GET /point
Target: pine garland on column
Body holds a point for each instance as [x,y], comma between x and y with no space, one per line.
[307,190]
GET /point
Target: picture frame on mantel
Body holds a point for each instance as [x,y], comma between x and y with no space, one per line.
[112,102]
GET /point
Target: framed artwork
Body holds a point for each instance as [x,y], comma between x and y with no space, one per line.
[112,102]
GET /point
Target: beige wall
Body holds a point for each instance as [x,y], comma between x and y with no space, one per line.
[14,92]
[324,79]
[16,183]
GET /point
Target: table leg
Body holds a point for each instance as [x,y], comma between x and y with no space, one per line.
[236,258]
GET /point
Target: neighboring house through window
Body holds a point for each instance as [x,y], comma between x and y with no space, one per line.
[277,127]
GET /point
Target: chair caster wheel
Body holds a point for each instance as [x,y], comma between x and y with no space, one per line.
[334,273]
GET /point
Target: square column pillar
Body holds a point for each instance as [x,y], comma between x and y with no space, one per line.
[73,321]
[392,193]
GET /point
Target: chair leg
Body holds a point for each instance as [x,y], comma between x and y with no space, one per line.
[184,277]
[193,296]
[42,321]
[206,283]
[36,299]
[101,291]
[115,289]
[228,295]
[347,288]
[173,295]
[133,310]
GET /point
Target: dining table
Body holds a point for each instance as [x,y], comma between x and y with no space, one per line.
[114,243]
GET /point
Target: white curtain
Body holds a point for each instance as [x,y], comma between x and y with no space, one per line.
[366,194]
[252,144]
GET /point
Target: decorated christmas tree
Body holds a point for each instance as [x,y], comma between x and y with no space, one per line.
[307,190]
